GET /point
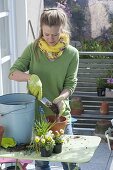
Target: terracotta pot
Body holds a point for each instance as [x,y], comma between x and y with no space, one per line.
[76,106]
[102,126]
[76,111]
[61,124]
[1,133]
[104,108]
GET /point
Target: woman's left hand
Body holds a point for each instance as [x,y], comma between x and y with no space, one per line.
[59,101]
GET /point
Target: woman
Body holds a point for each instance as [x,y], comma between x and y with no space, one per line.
[53,65]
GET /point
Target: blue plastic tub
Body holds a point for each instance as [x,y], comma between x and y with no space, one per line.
[17,114]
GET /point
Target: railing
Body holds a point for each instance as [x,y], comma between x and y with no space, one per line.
[89,71]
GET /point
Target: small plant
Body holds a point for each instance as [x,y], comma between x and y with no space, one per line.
[100,82]
[109,84]
[42,126]
[76,103]
[45,141]
[43,136]
[76,106]
[58,137]
[101,86]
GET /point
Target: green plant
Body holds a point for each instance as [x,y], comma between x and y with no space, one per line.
[76,103]
[100,82]
[45,141]
[58,136]
[42,126]
[43,136]
[109,73]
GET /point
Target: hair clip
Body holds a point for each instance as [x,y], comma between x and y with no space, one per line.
[49,9]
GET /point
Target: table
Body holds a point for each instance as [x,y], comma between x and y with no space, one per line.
[77,148]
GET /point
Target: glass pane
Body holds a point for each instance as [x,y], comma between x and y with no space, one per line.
[91,23]
[6,81]
[3,5]
[4,36]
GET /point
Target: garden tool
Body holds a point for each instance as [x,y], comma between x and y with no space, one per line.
[51,105]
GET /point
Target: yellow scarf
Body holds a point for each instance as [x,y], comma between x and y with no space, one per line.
[55,51]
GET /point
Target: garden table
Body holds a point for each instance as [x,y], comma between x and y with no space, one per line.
[77,148]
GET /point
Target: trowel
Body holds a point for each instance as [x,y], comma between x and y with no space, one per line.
[52,106]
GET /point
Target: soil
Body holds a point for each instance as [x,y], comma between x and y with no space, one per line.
[54,108]
[20,147]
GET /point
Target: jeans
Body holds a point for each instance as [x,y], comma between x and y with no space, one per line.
[70,166]
[44,165]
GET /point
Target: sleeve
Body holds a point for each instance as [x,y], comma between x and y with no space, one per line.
[23,62]
[71,76]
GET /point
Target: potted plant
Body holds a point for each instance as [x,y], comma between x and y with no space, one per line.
[101,86]
[45,143]
[58,137]
[76,106]
[43,137]
[104,108]
[57,123]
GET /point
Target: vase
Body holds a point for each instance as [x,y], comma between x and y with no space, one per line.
[57,148]
[104,108]
[1,133]
[61,124]
[45,153]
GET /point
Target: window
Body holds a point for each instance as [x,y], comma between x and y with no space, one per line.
[5,85]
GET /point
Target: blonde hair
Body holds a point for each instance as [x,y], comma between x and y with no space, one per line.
[54,17]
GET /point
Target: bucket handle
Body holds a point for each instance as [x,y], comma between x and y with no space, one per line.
[4,114]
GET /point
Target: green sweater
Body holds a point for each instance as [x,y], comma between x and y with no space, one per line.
[55,75]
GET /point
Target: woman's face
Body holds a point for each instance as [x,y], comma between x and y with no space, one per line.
[51,34]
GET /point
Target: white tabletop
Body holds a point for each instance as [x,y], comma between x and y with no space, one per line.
[77,148]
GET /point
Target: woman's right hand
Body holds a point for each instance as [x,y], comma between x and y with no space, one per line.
[35,86]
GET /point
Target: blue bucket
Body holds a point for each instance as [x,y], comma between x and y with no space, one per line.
[17,114]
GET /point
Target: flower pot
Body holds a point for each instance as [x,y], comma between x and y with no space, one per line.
[76,112]
[57,148]
[101,91]
[102,126]
[76,106]
[61,124]
[45,153]
[1,133]
[104,108]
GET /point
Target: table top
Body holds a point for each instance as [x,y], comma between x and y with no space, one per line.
[77,148]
